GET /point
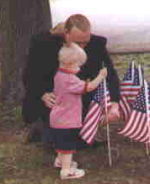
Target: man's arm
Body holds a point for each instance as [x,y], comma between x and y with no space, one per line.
[113,85]
[38,77]
[112,77]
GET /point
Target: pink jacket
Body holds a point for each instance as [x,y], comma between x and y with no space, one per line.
[68,88]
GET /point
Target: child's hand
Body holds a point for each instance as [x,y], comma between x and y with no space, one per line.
[103,73]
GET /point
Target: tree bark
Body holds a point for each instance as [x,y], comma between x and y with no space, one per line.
[19,20]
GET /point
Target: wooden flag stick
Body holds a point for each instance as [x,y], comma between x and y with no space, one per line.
[147,149]
[108,129]
[109,146]
[148,115]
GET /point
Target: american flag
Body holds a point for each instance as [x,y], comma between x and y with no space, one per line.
[125,107]
[128,79]
[137,84]
[130,89]
[125,87]
[95,114]
[138,125]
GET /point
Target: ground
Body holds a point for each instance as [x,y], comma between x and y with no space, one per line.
[22,163]
[29,163]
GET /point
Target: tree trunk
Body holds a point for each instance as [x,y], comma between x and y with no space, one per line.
[7,50]
[19,20]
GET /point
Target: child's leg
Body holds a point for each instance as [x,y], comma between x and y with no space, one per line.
[59,156]
[58,162]
[66,160]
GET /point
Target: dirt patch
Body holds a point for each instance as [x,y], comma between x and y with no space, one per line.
[22,163]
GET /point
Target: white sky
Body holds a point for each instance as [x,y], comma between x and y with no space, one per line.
[104,11]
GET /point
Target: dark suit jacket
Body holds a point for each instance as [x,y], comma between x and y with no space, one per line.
[43,63]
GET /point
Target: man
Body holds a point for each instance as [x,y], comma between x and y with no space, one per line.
[43,63]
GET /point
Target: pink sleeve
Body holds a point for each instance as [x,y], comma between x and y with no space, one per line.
[75,85]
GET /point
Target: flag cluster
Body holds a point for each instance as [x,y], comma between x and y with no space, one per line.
[138,125]
[129,89]
[134,106]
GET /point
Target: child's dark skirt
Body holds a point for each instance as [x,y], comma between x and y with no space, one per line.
[67,140]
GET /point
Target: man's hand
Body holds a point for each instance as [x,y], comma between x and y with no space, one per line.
[103,73]
[113,112]
[49,99]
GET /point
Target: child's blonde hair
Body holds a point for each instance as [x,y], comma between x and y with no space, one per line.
[72,54]
[58,29]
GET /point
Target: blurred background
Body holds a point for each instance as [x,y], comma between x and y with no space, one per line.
[125,23]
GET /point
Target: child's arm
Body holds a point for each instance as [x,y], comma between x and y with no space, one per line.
[95,82]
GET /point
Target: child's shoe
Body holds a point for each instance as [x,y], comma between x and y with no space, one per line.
[57,163]
[71,174]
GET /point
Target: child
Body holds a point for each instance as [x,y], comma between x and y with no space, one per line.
[66,115]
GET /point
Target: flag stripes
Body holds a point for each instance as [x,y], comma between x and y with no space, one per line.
[138,126]
[95,115]
[125,108]
[134,105]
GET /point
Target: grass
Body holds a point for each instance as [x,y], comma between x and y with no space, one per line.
[22,163]
[121,62]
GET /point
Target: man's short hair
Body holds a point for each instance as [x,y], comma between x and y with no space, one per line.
[79,21]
